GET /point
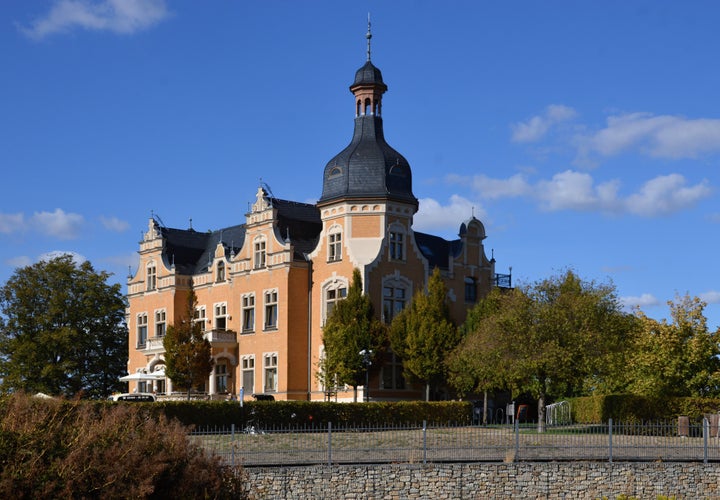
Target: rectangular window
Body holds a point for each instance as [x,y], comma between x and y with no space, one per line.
[335,247]
[160,323]
[271,310]
[221,378]
[221,316]
[248,374]
[220,272]
[392,377]
[200,317]
[151,277]
[248,308]
[332,297]
[270,367]
[142,329]
[393,302]
[397,246]
[470,290]
[259,254]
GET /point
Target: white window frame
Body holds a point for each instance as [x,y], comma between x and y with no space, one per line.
[160,323]
[220,312]
[335,285]
[142,325]
[335,245]
[200,317]
[221,377]
[260,254]
[268,306]
[150,276]
[248,307]
[395,282]
[270,365]
[247,365]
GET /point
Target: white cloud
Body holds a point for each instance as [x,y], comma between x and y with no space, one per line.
[644,300]
[59,224]
[19,261]
[11,223]
[536,127]
[114,224]
[117,16]
[572,190]
[434,216]
[666,194]
[77,258]
[489,188]
[711,297]
[661,136]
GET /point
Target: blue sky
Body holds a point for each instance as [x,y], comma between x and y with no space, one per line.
[584,135]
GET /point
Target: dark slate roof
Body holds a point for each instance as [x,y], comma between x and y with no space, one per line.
[437,250]
[368,167]
[190,250]
[369,74]
[301,222]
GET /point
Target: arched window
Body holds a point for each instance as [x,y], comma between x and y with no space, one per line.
[367,107]
[220,272]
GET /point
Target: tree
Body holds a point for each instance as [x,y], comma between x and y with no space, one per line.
[188,354]
[423,334]
[62,330]
[350,328]
[550,338]
[677,358]
[478,364]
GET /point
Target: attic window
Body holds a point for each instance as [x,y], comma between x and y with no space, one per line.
[335,172]
[398,170]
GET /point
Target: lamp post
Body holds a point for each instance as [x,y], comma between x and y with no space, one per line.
[366,356]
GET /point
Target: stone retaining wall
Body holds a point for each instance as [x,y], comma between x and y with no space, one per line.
[550,480]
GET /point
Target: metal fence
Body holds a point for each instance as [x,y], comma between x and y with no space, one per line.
[331,445]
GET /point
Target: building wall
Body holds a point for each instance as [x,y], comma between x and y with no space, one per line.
[364,227]
[547,480]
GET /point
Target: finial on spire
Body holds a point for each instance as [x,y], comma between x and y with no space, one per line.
[368,36]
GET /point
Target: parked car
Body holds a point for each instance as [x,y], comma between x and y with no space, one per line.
[136,397]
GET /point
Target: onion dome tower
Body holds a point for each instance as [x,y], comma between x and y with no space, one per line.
[368,168]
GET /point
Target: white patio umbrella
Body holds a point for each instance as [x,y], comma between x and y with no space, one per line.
[140,376]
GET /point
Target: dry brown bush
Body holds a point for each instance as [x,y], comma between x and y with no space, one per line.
[51,448]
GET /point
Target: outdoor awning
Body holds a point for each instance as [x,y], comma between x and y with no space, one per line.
[142,376]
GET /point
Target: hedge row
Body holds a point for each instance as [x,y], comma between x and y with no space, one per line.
[313,413]
[631,408]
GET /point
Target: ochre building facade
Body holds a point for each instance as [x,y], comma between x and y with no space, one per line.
[265,286]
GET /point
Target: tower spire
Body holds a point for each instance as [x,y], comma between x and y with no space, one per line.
[368,36]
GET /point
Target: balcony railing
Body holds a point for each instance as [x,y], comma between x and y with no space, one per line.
[221,336]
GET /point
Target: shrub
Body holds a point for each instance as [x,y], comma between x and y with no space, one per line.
[71,449]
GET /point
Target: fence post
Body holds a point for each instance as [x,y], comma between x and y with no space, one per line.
[232,443]
[610,453]
[329,443]
[706,429]
[517,438]
[424,442]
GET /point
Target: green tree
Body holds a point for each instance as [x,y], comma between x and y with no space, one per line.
[550,338]
[350,328]
[188,354]
[62,330]
[423,334]
[478,364]
[677,358]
